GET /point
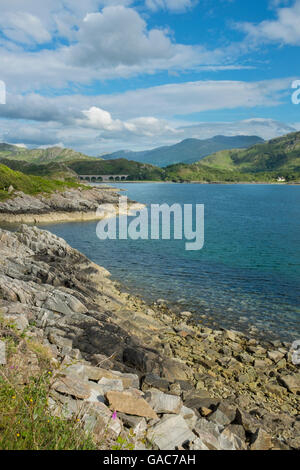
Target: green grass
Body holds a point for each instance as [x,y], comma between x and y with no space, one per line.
[25,420]
[29,184]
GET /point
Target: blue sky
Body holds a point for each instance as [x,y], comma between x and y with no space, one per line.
[101,75]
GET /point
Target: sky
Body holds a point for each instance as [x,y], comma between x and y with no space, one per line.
[104,75]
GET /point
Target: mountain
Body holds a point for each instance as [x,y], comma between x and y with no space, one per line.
[261,162]
[40,156]
[186,151]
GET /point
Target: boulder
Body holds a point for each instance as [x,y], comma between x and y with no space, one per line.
[162,402]
[170,433]
[128,403]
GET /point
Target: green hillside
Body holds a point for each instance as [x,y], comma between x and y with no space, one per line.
[40,156]
[28,184]
[54,170]
[262,162]
[136,171]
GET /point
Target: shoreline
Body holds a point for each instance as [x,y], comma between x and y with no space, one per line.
[199,182]
[211,371]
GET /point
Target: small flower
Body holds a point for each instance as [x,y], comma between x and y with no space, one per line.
[13,397]
[18,435]
[50,373]
[114,415]
[78,420]
[31,400]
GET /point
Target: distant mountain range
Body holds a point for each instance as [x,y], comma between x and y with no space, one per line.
[187,151]
[263,162]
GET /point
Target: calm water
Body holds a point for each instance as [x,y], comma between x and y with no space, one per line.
[248,272]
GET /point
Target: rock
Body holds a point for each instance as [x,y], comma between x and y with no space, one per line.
[60,341]
[189,415]
[111,384]
[199,399]
[97,418]
[275,356]
[154,381]
[175,369]
[175,389]
[249,423]
[261,441]
[231,441]
[128,403]
[186,314]
[2,353]
[223,415]
[162,402]
[198,444]
[97,393]
[128,380]
[10,189]
[170,432]
[73,386]
[237,430]
[232,335]
[20,321]
[291,382]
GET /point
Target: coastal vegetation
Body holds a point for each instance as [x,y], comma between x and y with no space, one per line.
[11,180]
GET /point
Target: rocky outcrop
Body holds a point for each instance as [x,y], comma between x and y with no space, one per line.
[122,366]
[73,204]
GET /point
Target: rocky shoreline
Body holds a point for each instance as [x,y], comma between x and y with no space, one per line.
[78,204]
[172,383]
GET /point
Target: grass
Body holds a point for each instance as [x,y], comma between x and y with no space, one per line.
[25,420]
[29,184]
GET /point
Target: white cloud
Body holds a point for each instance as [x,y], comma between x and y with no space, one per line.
[24,27]
[285,29]
[118,36]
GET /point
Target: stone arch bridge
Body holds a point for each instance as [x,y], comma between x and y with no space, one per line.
[97,178]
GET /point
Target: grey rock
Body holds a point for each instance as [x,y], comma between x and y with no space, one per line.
[170,433]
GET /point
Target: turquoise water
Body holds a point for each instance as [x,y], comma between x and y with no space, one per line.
[248,272]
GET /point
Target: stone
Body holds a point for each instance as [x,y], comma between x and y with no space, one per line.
[163,403]
[175,389]
[73,386]
[198,444]
[189,415]
[170,433]
[20,321]
[232,335]
[261,440]
[154,381]
[291,382]
[60,341]
[249,423]
[230,441]
[111,384]
[127,403]
[2,353]
[175,369]
[97,418]
[275,356]
[237,430]
[223,415]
